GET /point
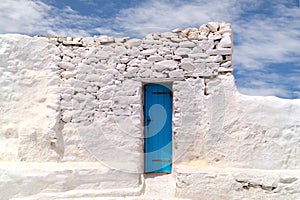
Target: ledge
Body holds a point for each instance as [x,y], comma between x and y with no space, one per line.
[65,180]
[200,181]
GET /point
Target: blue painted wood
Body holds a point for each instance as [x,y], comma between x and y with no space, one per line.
[158,127]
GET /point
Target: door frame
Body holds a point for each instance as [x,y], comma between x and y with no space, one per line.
[170,85]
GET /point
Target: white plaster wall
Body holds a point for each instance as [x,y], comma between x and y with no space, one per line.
[251,132]
[248,149]
[29,102]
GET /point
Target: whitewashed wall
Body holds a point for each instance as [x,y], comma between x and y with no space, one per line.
[77,102]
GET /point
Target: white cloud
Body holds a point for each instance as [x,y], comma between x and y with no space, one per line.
[35,17]
[21,15]
[164,15]
[267,40]
[266,91]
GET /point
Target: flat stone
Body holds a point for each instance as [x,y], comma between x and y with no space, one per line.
[92,77]
[166,64]
[176,57]
[102,55]
[134,42]
[187,44]
[163,51]
[225,26]
[220,51]
[121,67]
[67,116]
[226,64]
[68,74]
[83,68]
[155,58]
[148,52]
[124,59]
[212,65]
[177,30]
[66,65]
[188,66]
[104,39]
[225,42]
[198,55]
[176,73]
[88,41]
[132,70]
[197,49]
[152,42]
[175,39]
[214,59]
[168,35]
[206,44]
[146,63]
[106,78]
[182,51]
[287,180]
[223,69]
[120,50]
[108,48]
[134,62]
[147,73]
[135,52]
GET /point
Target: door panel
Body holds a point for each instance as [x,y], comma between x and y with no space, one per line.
[158,127]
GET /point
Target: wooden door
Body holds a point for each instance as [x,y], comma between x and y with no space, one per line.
[158,127]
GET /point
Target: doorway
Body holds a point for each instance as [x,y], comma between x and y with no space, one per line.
[157,128]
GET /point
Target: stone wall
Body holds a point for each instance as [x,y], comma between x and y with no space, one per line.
[80,100]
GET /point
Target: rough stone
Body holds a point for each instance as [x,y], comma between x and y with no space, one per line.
[214,36]
[187,44]
[166,64]
[134,42]
[213,26]
[198,55]
[176,74]
[104,39]
[220,51]
[148,52]
[225,42]
[120,50]
[206,44]
[132,70]
[66,65]
[155,58]
[226,64]
[188,66]
[183,51]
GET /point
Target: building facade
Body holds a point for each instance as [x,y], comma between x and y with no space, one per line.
[101,116]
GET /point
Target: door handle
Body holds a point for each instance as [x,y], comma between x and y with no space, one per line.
[148,121]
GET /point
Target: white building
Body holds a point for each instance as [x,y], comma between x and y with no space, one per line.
[88,117]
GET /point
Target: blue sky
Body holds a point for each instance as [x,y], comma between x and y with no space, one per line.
[266,32]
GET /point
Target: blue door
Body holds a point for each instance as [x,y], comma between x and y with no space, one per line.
[158,127]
